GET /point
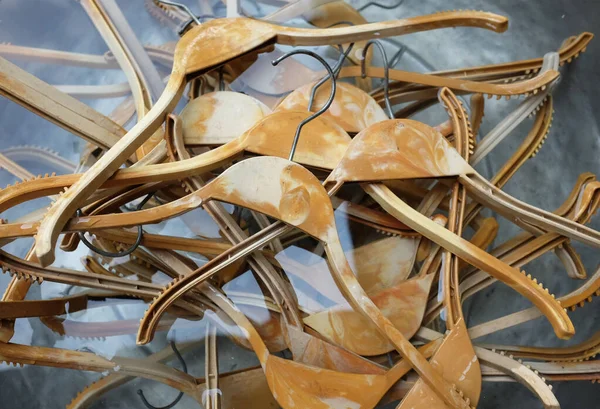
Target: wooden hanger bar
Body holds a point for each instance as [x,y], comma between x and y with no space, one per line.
[46,101]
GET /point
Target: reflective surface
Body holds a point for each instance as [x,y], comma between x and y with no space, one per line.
[108,328]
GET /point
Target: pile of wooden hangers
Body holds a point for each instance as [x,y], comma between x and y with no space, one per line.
[371,334]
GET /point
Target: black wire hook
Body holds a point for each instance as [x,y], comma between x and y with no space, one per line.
[130,250]
[178,398]
[381,6]
[336,71]
[324,107]
[188,23]
[182,7]
[386,73]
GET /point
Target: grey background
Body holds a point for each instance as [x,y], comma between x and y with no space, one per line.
[536,27]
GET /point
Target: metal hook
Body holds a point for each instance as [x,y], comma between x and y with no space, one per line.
[386,73]
[178,398]
[182,7]
[130,250]
[186,25]
[381,6]
[327,104]
[336,71]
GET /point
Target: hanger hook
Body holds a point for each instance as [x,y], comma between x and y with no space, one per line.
[386,73]
[178,398]
[182,7]
[336,71]
[381,6]
[130,250]
[324,107]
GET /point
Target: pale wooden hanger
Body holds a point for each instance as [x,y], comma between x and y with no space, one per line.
[285,376]
[353,109]
[207,120]
[498,73]
[519,256]
[376,378]
[217,49]
[455,357]
[65,358]
[305,348]
[493,363]
[351,168]
[375,140]
[511,121]
[298,216]
[49,103]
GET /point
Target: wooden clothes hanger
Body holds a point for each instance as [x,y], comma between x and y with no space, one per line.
[455,357]
[64,358]
[278,377]
[391,142]
[205,47]
[67,112]
[352,109]
[294,215]
[510,122]
[498,73]
[300,343]
[377,143]
[207,120]
[293,384]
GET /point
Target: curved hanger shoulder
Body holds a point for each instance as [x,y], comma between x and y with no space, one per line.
[352,108]
[219,117]
[399,149]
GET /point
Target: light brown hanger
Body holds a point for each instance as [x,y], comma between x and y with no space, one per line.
[294,215]
[497,73]
[352,109]
[284,376]
[379,265]
[455,357]
[493,363]
[376,137]
[393,140]
[243,35]
[46,101]
[64,358]
[404,305]
[142,77]
[207,120]
[532,85]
